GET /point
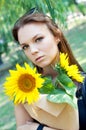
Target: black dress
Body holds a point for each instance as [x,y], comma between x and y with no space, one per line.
[81,95]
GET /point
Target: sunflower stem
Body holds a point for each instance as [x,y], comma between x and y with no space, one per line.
[60,84]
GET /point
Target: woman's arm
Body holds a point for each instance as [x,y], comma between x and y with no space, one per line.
[22,116]
[33,126]
[24,120]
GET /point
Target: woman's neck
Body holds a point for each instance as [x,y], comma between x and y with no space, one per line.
[49,71]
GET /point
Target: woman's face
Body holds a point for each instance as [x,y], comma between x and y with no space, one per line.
[39,44]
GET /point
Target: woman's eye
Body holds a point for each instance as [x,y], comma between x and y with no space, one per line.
[25,47]
[39,39]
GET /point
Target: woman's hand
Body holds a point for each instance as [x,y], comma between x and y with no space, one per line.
[33,126]
[48,128]
[28,126]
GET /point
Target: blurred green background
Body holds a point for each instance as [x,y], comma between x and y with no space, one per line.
[71,17]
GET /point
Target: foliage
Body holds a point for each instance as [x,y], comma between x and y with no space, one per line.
[10,11]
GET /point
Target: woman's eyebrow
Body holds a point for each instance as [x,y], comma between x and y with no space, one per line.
[34,37]
[22,44]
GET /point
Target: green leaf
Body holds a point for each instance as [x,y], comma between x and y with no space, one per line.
[58,68]
[47,87]
[51,10]
[67,84]
[62,97]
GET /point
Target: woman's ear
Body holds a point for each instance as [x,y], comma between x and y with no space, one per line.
[58,36]
[57,40]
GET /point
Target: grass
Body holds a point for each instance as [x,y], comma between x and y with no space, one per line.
[7,118]
[77,40]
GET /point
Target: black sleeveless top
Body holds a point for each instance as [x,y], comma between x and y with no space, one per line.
[81,95]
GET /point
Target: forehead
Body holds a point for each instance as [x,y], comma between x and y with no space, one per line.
[32,29]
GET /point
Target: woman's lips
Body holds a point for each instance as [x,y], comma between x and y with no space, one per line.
[39,58]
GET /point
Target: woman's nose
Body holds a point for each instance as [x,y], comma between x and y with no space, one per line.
[33,49]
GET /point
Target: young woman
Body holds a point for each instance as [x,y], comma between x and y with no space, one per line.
[42,41]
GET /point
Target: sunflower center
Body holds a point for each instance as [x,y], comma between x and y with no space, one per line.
[26,82]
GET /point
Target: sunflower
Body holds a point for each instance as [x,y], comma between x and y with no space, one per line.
[22,84]
[71,70]
[64,60]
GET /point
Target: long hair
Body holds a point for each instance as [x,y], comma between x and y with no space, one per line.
[63,45]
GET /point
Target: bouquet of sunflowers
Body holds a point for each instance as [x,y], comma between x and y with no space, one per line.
[25,84]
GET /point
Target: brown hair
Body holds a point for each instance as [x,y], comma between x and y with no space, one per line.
[53,27]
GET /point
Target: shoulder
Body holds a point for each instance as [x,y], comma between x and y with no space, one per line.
[84,86]
[83,73]
[81,91]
